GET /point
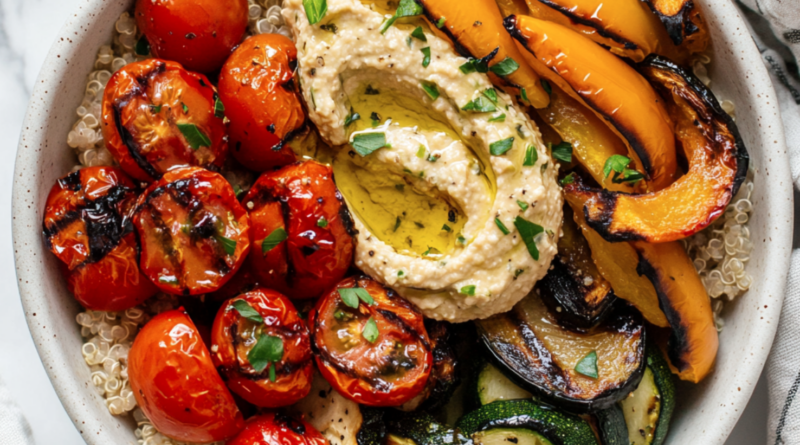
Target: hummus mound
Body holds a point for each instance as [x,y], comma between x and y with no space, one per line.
[432,208]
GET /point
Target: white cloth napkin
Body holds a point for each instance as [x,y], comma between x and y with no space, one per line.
[778,39]
[14,429]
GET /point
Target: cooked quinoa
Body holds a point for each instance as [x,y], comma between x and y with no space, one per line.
[720,252]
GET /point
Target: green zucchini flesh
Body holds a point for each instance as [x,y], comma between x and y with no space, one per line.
[493,385]
[648,409]
[508,436]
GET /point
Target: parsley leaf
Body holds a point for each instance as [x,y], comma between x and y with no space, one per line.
[505,67]
[490,94]
[419,34]
[562,151]
[500,147]
[352,295]
[431,89]
[569,179]
[480,104]
[315,10]
[352,117]
[268,349]
[246,311]
[228,244]
[501,118]
[421,151]
[501,226]
[370,332]
[322,222]
[523,205]
[407,8]
[273,239]
[219,109]
[528,231]
[440,22]
[616,163]
[547,88]
[427,59]
[468,290]
[194,137]
[588,365]
[143,46]
[531,156]
[366,143]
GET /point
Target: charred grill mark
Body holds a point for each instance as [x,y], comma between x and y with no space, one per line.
[548,429]
[555,377]
[288,422]
[71,182]
[288,136]
[561,288]
[590,23]
[282,368]
[676,24]
[404,327]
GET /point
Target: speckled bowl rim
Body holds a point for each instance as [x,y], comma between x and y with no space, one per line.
[43,156]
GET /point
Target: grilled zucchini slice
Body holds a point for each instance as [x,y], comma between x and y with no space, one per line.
[648,409]
[491,385]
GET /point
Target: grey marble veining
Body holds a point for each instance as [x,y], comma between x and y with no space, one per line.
[27,29]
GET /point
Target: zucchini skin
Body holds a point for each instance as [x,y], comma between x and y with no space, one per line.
[373,428]
[558,427]
[421,428]
[611,425]
[665,381]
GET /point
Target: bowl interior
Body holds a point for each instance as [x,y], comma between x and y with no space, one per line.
[707,412]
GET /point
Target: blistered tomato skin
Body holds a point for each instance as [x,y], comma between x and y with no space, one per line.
[158,116]
[176,385]
[234,336]
[302,201]
[278,429]
[199,34]
[388,371]
[87,226]
[193,231]
[256,85]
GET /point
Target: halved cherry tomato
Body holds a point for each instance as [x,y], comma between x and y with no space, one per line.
[87,226]
[302,231]
[377,354]
[278,429]
[236,335]
[256,85]
[176,385]
[194,233]
[158,116]
[199,34]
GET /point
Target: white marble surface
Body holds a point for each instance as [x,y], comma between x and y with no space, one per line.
[27,28]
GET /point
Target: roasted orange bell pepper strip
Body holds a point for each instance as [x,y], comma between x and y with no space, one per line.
[683,22]
[611,88]
[718,164]
[477,27]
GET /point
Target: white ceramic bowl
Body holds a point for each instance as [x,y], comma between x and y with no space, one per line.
[707,412]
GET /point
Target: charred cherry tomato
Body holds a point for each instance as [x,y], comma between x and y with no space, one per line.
[376,354]
[198,34]
[158,116]
[194,233]
[245,327]
[176,385]
[301,234]
[278,429]
[87,226]
[261,101]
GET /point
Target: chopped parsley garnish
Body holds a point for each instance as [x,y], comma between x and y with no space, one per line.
[421,151]
[352,295]
[219,109]
[506,67]
[426,60]
[156,108]
[440,22]
[490,94]
[588,365]
[268,349]
[434,157]
[569,179]
[396,224]
[352,117]
[474,65]
[501,226]
[446,228]
[518,272]
[501,118]
[524,95]
[366,143]
[522,205]
[406,8]
[228,244]
[528,231]
[544,167]
[375,118]
[185,108]
[461,240]
[238,191]
[315,10]
[273,239]
[418,34]
[619,165]
[431,89]
[468,290]
[480,104]
[547,88]
[500,147]
[400,274]
[330,27]
[562,151]
[322,222]
[370,332]
[143,46]
[194,137]
[246,311]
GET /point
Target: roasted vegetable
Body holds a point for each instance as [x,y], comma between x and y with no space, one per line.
[444,376]
[611,88]
[524,423]
[648,410]
[693,343]
[573,289]
[626,27]
[611,425]
[272,428]
[551,362]
[717,159]
[476,29]
[683,22]
[491,385]
[617,263]
[419,428]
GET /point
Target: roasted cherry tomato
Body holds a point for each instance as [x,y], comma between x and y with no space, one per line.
[87,225]
[194,233]
[176,385]
[301,234]
[158,116]
[376,354]
[244,338]
[199,34]
[261,101]
[278,429]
